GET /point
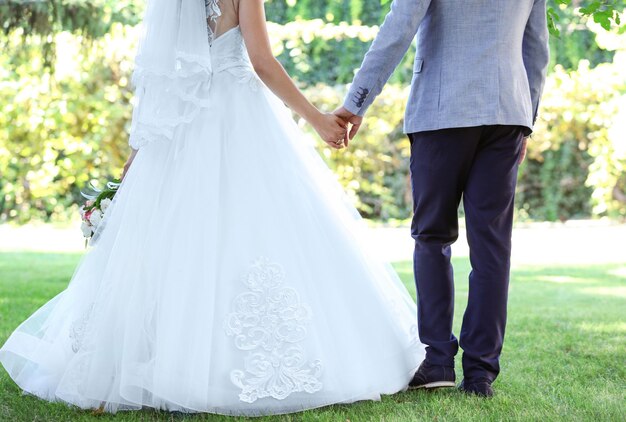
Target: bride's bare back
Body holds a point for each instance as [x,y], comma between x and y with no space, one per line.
[222,16]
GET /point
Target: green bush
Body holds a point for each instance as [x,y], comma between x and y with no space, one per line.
[577,158]
[61,128]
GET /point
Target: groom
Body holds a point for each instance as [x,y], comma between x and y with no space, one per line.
[478,75]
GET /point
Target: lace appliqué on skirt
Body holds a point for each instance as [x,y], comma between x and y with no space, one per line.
[77,329]
[269,321]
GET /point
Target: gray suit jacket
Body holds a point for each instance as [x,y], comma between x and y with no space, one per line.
[478,62]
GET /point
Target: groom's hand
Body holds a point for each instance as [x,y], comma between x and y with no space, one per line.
[353,119]
[522,155]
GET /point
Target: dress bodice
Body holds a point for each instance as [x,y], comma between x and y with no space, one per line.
[229,54]
[228,50]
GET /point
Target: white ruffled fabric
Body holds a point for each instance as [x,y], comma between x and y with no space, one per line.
[229,275]
[173,72]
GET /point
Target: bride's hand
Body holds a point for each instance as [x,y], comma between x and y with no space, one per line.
[128,163]
[331,129]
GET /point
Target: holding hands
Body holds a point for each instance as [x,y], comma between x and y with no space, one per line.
[333,127]
[352,119]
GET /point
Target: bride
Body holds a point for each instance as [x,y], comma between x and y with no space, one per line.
[230,275]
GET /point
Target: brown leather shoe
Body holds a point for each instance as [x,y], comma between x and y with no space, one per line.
[433,376]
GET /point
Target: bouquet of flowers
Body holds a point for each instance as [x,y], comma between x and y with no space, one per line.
[98,200]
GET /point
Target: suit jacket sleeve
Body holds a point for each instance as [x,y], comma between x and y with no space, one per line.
[536,52]
[388,48]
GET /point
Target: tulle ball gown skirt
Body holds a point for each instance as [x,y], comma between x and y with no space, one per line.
[229,276]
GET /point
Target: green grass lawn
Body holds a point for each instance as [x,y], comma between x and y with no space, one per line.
[564,355]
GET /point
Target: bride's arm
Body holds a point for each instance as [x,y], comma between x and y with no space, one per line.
[254,30]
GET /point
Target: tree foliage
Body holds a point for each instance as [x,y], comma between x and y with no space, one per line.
[604,12]
[92,18]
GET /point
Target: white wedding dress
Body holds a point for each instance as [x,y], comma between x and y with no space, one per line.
[230,275]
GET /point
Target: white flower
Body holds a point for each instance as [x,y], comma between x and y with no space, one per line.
[104,204]
[95,218]
[85,227]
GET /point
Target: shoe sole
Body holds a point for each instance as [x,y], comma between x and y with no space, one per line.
[437,384]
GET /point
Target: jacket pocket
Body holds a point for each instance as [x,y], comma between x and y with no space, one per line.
[417,67]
